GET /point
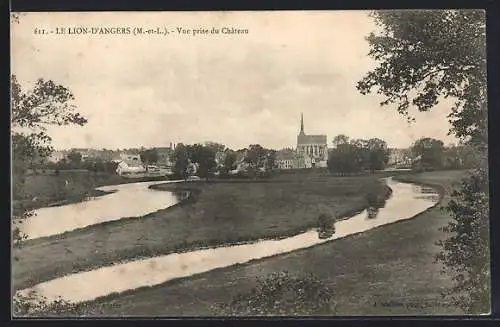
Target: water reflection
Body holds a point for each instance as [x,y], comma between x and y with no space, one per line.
[83,286]
[376,202]
[425,193]
[423,189]
[181,195]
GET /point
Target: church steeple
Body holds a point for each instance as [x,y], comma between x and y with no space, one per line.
[302,123]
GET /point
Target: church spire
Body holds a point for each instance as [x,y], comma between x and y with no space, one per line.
[301,123]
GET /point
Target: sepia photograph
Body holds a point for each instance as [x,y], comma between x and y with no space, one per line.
[249,163]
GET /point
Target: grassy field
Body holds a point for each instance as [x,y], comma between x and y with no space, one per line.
[385,271]
[42,190]
[222,213]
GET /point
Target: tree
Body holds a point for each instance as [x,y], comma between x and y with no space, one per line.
[204,157]
[256,156]
[427,55]
[216,147]
[462,156]
[207,161]
[148,157]
[32,111]
[75,159]
[270,159]
[181,161]
[469,155]
[358,154]
[451,157]
[424,56]
[340,139]
[466,251]
[430,151]
[46,104]
[110,166]
[378,154]
[344,159]
[229,160]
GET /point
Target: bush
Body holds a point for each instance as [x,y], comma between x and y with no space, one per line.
[281,294]
[326,226]
[466,251]
[35,305]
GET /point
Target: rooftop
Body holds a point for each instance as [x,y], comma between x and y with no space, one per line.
[285,154]
[311,139]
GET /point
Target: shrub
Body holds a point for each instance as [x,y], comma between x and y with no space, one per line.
[281,294]
[36,305]
[326,225]
[466,251]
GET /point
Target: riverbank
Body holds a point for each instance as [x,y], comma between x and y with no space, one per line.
[224,213]
[389,270]
[47,190]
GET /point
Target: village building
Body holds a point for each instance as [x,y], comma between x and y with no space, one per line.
[130,164]
[286,159]
[311,149]
[311,152]
[56,156]
[400,158]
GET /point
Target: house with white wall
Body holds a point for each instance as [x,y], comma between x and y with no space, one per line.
[130,164]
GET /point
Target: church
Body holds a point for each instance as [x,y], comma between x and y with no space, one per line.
[311,152]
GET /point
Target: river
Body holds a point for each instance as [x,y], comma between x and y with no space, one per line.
[407,200]
[126,200]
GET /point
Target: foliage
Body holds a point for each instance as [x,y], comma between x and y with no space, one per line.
[326,226]
[270,160]
[424,56]
[282,294]
[258,160]
[374,154]
[355,155]
[430,151]
[31,112]
[466,251]
[181,161]
[340,139]
[46,104]
[427,55]
[75,159]
[148,157]
[462,156]
[17,235]
[256,156]
[203,156]
[91,164]
[229,160]
[345,158]
[35,305]
[215,147]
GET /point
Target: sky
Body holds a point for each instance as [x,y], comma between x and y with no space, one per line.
[236,89]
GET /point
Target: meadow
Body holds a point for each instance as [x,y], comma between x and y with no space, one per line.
[389,270]
[217,213]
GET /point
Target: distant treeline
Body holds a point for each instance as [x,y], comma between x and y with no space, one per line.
[74,162]
[352,156]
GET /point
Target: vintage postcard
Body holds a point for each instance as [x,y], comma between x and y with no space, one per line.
[249,163]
